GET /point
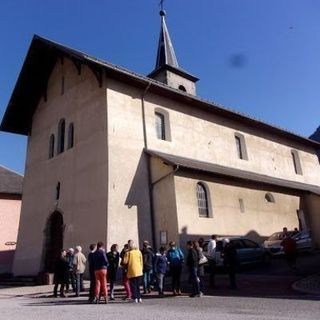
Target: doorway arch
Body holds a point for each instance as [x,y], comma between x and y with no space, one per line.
[54,240]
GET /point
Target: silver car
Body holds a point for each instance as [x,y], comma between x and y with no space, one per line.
[303,240]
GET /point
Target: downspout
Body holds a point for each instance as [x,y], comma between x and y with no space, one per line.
[150,188]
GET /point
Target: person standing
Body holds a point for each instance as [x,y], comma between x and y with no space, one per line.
[148,257]
[201,260]
[113,257]
[160,267]
[60,274]
[192,264]
[91,272]
[125,279]
[290,250]
[71,275]
[212,245]
[134,262]
[230,262]
[79,263]
[175,259]
[100,262]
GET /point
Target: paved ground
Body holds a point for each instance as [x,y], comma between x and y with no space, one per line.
[235,308]
[264,293]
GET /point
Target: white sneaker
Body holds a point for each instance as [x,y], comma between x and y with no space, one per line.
[139,300]
[136,300]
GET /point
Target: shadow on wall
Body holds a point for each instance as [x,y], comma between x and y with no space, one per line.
[139,196]
[252,235]
[6,261]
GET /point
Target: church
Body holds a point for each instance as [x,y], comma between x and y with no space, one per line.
[113,155]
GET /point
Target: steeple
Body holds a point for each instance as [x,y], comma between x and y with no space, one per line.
[166,54]
[167,69]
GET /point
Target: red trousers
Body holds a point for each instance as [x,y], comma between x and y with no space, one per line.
[126,285]
[101,283]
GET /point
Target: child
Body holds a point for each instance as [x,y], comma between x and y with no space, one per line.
[160,267]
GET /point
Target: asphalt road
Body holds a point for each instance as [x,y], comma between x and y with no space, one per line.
[235,308]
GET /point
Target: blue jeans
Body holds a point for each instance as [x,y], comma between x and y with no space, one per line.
[193,272]
[147,280]
[79,283]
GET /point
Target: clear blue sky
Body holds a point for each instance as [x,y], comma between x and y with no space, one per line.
[259,57]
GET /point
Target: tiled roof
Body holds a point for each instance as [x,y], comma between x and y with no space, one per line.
[219,170]
[10,181]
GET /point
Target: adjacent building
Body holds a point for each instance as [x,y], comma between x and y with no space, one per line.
[10,206]
[113,155]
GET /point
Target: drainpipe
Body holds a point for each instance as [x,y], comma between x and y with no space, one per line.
[176,168]
[150,188]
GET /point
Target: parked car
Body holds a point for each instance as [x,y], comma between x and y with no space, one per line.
[302,238]
[248,251]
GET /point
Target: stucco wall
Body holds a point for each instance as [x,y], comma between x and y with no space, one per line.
[128,191]
[10,207]
[259,220]
[82,170]
[201,135]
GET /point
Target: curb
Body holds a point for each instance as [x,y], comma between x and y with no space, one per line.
[301,285]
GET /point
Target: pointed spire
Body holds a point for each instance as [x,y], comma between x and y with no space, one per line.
[166,54]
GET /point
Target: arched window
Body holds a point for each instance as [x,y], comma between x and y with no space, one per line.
[296,162]
[51,146]
[182,88]
[241,146]
[202,197]
[269,198]
[61,133]
[160,126]
[70,136]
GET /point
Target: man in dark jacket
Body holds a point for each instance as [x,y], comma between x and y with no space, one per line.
[148,257]
[60,274]
[192,263]
[91,272]
[230,261]
[100,263]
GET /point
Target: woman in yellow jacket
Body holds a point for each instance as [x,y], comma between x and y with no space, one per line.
[134,264]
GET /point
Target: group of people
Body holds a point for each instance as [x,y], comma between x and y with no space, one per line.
[145,265]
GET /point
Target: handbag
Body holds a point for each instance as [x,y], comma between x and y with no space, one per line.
[203,260]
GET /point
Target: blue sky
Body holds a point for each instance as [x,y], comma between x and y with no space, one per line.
[258,57]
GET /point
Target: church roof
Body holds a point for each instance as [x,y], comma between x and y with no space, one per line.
[229,172]
[41,59]
[166,54]
[316,135]
[10,181]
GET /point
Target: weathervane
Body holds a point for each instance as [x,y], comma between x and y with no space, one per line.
[162,12]
[161,5]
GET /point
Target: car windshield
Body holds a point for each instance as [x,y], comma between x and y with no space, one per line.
[276,236]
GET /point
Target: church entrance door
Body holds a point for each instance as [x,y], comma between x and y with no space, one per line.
[54,240]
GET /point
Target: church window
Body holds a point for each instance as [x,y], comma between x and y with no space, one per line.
[160,126]
[61,134]
[58,191]
[296,162]
[51,146]
[70,136]
[269,198]
[182,88]
[241,204]
[202,197]
[241,146]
